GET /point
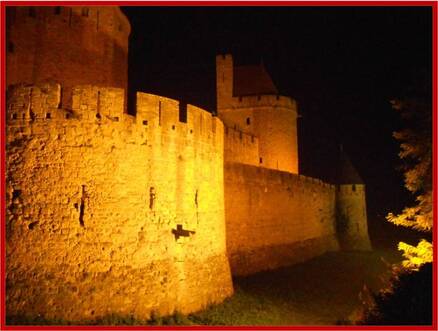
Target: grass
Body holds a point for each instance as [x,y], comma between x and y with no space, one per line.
[322,291]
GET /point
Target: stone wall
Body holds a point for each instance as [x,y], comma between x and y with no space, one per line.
[70,45]
[275,218]
[109,213]
[240,147]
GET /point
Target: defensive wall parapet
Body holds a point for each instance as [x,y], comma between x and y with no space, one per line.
[31,105]
[240,147]
[127,215]
[276,218]
[264,100]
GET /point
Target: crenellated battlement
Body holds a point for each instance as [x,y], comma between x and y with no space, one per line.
[106,193]
[30,105]
[143,214]
[241,147]
[264,100]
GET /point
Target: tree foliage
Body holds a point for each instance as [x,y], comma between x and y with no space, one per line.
[416,152]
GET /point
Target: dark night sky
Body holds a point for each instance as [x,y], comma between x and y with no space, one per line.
[342,65]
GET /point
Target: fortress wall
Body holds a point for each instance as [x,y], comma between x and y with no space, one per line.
[70,45]
[98,206]
[240,147]
[275,218]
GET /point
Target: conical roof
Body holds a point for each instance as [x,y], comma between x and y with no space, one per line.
[252,80]
[347,173]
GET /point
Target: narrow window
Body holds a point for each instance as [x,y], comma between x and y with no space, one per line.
[248,121]
[145,122]
[85,12]
[354,188]
[11,47]
[57,10]
[261,160]
[82,206]
[32,12]
[48,115]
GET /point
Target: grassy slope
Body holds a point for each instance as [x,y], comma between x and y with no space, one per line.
[321,291]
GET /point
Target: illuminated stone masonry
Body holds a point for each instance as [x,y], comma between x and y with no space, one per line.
[274,216]
[108,213]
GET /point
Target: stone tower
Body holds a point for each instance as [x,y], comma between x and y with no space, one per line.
[248,101]
[352,225]
[68,45]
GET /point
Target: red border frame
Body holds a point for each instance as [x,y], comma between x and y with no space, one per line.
[349,3]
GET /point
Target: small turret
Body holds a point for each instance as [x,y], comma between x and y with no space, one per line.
[352,227]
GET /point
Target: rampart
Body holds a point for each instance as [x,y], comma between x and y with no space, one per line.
[276,218]
[240,147]
[109,213]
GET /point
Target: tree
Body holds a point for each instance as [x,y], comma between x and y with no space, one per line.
[416,152]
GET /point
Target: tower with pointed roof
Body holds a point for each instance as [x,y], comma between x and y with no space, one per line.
[249,102]
[352,228]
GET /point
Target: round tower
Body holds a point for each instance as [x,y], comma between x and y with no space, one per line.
[352,227]
[69,45]
[249,102]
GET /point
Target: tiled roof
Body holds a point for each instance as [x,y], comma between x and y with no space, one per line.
[252,80]
[347,172]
